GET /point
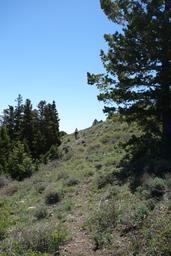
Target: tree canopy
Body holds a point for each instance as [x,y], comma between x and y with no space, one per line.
[27,134]
[137,80]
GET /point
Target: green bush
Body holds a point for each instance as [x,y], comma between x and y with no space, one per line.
[43,238]
[157,187]
[5,220]
[31,253]
[151,203]
[154,187]
[51,154]
[17,250]
[62,175]
[104,179]
[41,212]
[159,240]
[65,152]
[72,181]
[98,166]
[102,222]
[11,189]
[51,196]
[67,205]
[20,163]
[40,187]
[141,212]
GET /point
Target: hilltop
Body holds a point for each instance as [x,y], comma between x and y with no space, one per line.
[82,204]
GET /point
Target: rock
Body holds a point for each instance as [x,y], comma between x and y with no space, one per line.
[31,208]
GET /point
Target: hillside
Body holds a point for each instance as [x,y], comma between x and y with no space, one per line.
[81,205]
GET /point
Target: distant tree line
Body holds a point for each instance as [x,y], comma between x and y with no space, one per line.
[27,134]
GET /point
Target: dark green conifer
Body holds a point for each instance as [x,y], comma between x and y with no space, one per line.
[18,119]
[20,164]
[4,149]
[138,65]
[28,124]
[32,132]
[9,120]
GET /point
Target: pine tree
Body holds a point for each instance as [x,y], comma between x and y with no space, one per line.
[53,124]
[20,162]
[18,112]
[37,141]
[27,124]
[36,129]
[4,149]
[138,65]
[50,124]
[9,120]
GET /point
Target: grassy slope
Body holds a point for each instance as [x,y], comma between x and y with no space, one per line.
[96,214]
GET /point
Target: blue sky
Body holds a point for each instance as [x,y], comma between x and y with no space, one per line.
[46,49]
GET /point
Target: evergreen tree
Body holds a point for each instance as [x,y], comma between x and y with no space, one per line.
[31,132]
[49,125]
[20,162]
[41,137]
[37,141]
[4,149]
[28,124]
[18,112]
[138,65]
[41,107]
[52,125]
[9,121]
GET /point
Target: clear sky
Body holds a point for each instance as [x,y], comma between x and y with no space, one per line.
[46,49]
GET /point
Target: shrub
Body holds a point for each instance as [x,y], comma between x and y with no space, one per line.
[141,212]
[62,134]
[5,221]
[157,187]
[101,223]
[52,154]
[20,163]
[3,181]
[11,189]
[71,181]
[104,179]
[98,166]
[107,139]
[67,206]
[41,212]
[88,172]
[40,187]
[92,148]
[65,152]
[151,203]
[62,175]
[31,253]
[159,243]
[44,238]
[144,192]
[51,196]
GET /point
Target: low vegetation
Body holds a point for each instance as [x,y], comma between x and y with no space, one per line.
[87,198]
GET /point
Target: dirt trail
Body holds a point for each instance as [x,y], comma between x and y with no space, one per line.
[80,243]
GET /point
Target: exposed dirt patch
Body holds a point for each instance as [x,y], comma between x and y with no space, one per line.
[80,243]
